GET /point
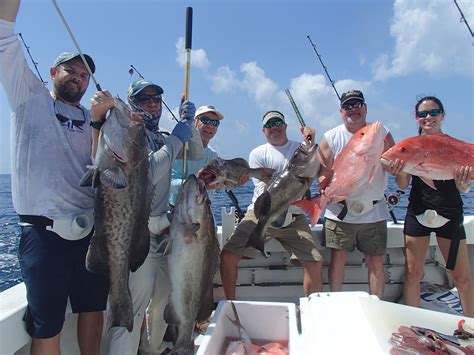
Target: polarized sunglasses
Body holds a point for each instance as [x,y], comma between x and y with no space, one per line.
[275,123]
[148,98]
[348,107]
[207,120]
[433,113]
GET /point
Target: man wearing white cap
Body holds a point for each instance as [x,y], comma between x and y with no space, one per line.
[207,121]
[295,237]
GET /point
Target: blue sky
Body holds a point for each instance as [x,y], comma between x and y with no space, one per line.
[246,53]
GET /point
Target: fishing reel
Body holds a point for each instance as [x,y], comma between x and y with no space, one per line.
[394,198]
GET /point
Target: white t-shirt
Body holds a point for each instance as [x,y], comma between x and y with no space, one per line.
[49,157]
[337,139]
[274,157]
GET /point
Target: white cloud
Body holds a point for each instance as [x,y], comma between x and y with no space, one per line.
[224,80]
[258,84]
[198,56]
[428,38]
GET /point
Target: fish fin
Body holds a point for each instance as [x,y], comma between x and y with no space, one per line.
[170,315]
[262,204]
[206,301]
[114,178]
[312,208]
[264,174]
[428,182]
[87,178]
[257,240]
[97,255]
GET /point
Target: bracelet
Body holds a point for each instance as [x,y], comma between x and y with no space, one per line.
[97,124]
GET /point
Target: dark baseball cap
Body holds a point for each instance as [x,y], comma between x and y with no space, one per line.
[141,84]
[67,56]
[352,95]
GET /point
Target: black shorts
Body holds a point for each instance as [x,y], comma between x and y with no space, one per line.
[454,229]
[53,270]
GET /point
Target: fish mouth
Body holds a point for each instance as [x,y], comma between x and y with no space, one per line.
[208,176]
[385,161]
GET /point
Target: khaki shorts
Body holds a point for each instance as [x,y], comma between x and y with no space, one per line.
[296,238]
[369,238]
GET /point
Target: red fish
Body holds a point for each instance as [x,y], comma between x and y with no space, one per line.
[353,168]
[431,157]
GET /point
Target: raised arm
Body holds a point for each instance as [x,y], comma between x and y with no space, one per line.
[9,10]
[326,158]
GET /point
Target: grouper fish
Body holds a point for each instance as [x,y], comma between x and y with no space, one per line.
[285,188]
[193,258]
[353,168]
[122,206]
[222,173]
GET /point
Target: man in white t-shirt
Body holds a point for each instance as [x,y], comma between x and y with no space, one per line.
[344,231]
[295,237]
[51,147]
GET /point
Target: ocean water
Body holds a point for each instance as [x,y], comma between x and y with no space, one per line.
[10,274]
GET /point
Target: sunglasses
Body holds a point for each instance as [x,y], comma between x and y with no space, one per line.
[207,120]
[147,98]
[348,107]
[75,123]
[276,123]
[433,113]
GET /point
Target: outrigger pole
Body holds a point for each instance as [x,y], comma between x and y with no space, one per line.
[324,67]
[32,60]
[132,70]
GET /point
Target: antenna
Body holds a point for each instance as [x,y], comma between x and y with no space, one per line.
[32,60]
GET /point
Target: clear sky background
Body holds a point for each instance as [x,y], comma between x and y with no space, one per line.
[246,53]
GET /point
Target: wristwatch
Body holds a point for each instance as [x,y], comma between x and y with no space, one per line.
[97,124]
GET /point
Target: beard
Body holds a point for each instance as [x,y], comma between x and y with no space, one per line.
[66,93]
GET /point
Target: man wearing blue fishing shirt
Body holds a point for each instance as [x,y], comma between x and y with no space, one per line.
[51,148]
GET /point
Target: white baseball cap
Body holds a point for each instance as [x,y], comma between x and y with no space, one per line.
[205,109]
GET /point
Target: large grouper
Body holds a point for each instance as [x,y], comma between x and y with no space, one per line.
[193,259]
[122,203]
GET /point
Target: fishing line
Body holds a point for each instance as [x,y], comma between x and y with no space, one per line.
[32,60]
[324,67]
[77,45]
[132,70]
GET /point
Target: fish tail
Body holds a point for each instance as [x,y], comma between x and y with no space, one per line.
[312,208]
[256,240]
[121,310]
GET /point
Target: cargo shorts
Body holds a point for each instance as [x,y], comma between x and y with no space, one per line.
[296,238]
[369,238]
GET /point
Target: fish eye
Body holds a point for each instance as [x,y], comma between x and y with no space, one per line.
[362,134]
[403,149]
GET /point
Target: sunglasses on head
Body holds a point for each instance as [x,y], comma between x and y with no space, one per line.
[63,119]
[275,123]
[347,107]
[207,120]
[148,98]
[433,113]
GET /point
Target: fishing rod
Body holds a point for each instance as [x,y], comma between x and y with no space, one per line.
[297,112]
[132,70]
[187,47]
[324,67]
[463,19]
[32,60]
[86,64]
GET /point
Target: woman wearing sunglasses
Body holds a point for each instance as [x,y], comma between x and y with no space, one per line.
[445,204]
